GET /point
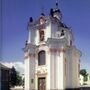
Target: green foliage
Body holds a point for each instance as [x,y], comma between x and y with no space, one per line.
[18,79]
[83,72]
[85,78]
[23,81]
[15,78]
[13,75]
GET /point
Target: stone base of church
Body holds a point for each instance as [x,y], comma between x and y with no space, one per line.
[72,89]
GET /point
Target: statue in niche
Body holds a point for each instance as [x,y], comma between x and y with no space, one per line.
[41,35]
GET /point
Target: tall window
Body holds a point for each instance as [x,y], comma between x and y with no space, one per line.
[41,34]
[41,58]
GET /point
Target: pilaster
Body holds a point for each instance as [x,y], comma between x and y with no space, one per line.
[29,56]
[57,50]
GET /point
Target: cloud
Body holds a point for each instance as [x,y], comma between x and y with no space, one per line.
[19,66]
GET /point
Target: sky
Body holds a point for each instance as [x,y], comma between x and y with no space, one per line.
[15,17]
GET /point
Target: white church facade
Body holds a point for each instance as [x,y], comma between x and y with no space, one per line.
[52,62]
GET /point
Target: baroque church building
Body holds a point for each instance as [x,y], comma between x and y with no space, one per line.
[52,62]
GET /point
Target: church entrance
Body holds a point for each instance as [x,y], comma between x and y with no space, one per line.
[41,83]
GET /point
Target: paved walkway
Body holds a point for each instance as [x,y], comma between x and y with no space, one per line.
[82,88]
[17,88]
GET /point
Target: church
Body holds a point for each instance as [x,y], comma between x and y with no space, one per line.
[52,62]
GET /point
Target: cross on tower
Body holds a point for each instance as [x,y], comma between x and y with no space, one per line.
[56,4]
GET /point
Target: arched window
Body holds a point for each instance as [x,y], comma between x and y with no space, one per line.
[41,58]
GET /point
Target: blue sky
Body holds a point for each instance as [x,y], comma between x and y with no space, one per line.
[16,13]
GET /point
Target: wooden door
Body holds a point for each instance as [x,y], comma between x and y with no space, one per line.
[42,83]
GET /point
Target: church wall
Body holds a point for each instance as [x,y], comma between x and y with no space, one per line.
[27,74]
[48,31]
[52,71]
[75,64]
[29,67]
[48,54]
[33,36]
[37,37]
[60,71]
[72,79]
[29,37]
[54,29]
[32,72]
[56,70]
[69,69]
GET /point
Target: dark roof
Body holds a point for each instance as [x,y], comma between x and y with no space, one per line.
[63,25]
[42,14]
[57,10]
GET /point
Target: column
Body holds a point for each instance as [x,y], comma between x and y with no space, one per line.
[27,73]
[60,70]
[48,56]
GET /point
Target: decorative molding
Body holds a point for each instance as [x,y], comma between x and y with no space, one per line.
[56,50]
[25,57]
[42,43]
[38,74]
[29,55]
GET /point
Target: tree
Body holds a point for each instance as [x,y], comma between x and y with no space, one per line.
[83,72]
[13,75]
[15,78]
[23,81]
[19,80]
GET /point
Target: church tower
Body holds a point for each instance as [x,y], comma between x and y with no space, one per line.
[51,59]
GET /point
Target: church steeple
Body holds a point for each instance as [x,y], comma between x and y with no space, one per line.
[56,11]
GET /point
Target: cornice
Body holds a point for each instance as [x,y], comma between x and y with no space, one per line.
[29,46]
